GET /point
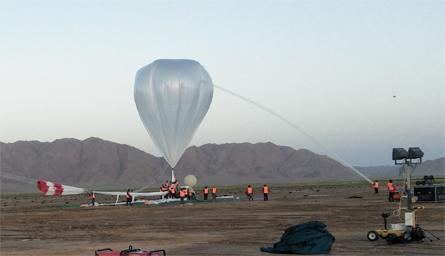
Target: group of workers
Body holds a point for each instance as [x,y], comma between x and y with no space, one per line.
[172,188]
[185,192]
[390,186]
[206,191]
[175,191]
[249,192]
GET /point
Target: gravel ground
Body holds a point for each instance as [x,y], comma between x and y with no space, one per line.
[32,224]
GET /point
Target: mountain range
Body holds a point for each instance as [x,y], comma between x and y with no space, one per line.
[97,163]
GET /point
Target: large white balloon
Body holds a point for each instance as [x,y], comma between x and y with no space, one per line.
[172,98]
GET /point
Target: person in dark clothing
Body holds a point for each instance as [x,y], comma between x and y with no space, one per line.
[375,185]
[266,192]
[129,198]
[249,192]
[182,194]
[93,199]
[206,192]
[391,190]
[214,193]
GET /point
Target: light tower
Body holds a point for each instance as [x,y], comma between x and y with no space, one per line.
[409,160]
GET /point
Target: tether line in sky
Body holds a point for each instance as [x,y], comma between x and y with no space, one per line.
[295,127]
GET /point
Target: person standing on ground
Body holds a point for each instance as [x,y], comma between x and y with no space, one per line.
[129,198]
[163,189]
[172,191]
[187,193]
[249,192]
[93,199]
[205,192]
[182,194]
[266,192]
[391,191]
[376,186]
[214,193]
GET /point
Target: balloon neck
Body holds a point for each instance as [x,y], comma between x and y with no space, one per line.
[173,179]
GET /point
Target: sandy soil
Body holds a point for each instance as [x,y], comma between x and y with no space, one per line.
[38,225]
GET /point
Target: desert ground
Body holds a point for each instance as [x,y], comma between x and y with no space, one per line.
[32,224]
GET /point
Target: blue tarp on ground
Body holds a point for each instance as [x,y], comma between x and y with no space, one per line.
[307,238]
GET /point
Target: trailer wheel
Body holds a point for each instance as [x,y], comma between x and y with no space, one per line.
[372,236]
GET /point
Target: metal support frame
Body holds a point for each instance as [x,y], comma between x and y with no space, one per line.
[409,165]
[408,170]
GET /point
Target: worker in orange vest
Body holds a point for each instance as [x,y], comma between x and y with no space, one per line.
[163,189]
[249,192]
[206,192]
[391,191]
[93,199]
[375,185]
[172,191]
[182,194]
[129,198]
[214,192]
[266,192]
[187,193]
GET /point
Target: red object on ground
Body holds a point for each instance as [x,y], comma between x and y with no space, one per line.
[396,196]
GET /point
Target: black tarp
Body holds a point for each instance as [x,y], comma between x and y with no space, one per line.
[307,238]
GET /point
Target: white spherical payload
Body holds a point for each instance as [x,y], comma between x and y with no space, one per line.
[172,97]
[190,180]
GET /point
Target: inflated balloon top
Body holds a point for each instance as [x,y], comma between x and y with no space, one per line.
[172,98]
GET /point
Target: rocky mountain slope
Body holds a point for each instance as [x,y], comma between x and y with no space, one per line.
[96,163]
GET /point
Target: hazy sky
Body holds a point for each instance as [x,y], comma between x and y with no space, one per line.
[332,67]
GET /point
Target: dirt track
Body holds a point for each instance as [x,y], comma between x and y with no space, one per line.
[38,225]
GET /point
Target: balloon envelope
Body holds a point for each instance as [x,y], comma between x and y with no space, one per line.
[172,98]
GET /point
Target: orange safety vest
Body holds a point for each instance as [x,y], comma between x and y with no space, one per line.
[249,190]
[182,193]
[128,195]
[391,187]
[172,189]
[213,190]
[206,191]
[266,190]
[376,185]
[93,196]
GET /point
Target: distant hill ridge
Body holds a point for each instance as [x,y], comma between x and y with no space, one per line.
[94,162]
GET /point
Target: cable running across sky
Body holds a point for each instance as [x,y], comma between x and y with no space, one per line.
[296,127]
